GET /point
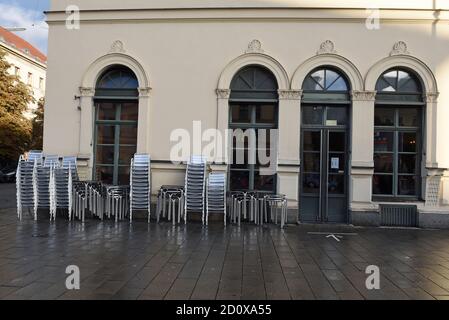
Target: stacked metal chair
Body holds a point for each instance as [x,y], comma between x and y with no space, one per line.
[25,187]
[44,186]
[215,196]
[65,177]
[95,194]
[79,201]
[117,202]
[276,204]
[195,184]
[140,184]
[165,197]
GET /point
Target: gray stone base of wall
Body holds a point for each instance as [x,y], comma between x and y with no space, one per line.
[434,220]
[365,218]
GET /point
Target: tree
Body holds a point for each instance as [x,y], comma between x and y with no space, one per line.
[15,129]
[38,126]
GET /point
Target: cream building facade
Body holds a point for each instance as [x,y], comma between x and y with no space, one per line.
[27,62]
[361,109]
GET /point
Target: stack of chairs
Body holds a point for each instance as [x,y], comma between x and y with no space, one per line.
[65,177]
[117,202]
[140,184]
[79,201]
[195,183]
[44,185]
[215,195]
[25,181]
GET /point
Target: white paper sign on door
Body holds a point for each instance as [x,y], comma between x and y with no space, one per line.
[335,163]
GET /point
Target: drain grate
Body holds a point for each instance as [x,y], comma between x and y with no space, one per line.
[399,216]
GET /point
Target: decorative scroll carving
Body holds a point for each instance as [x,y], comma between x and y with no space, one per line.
[144,92]
[399,48]
[117,47]
[87,92]
[290,94]
[431,97]
[363,95]
[255,46]
[327,47]
[223,93]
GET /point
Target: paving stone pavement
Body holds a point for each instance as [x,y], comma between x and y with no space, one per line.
[141,261]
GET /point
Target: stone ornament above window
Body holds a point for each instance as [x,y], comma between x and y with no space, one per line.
[223,93]
[327,47]
[290,94]
[117,47]
[399,48]
[255,46]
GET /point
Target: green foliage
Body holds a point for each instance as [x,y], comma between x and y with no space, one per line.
[38,127]
[15,129]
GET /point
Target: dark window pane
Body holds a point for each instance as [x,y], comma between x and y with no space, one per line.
[130,112]
[336,184]
[312,141]
[240,159]
[240,114]
[264,182]
[126,154]
[407,185]
[239,180]
[337,141]
[266,158]
[335,82]
[128,135]
[311,162]
[312,115]
[407,142]
[123,176]
[337,116]
[266,114]
[407,163]
[408,117]
[407,82]
[118,79]
[391,78]
[384,116]
[263,139]
[311,183]
[315,81]
[383,141]
[383,185]
[383,163]
[337,163]
[104,174]
[243,138]
[105,134]
[106,111]
[105,155]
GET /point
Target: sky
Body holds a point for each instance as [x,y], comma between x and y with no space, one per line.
[27,14]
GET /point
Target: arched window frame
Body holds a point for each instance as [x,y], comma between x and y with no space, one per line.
[116,112]
[401,138]
[252,99]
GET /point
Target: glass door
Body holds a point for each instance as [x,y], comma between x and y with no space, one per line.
[323,179]
[115,141]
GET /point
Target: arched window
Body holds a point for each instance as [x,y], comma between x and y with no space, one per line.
[324,146]
[398,135]
[116,116]
[253,112]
